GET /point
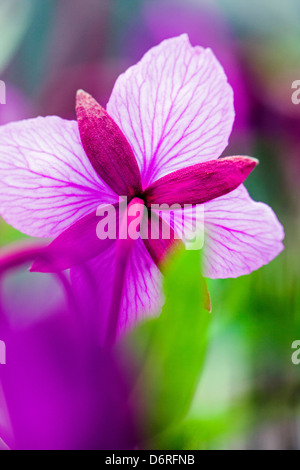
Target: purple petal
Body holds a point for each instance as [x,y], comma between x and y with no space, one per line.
[3,446]
[188,223]
[46,180]
[58,389]
[75,245]
[241,235]
[141,293]
[62,392]
[106,146]
[175,108]
[200,183]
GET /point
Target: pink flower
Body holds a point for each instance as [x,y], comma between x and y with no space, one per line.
[168,120]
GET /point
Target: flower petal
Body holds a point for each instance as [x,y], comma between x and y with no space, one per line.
[241,235]
[76,244]
[62,391]
[3,446]
[46,180]
[200,183]
[141,293]
[188,223]
[175,108]
[106,146]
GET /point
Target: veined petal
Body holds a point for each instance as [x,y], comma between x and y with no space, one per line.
[141,295]
[200,183]
[188,223]
[174,106]
[76,244]
[46,180]
[241,235]
[107,148]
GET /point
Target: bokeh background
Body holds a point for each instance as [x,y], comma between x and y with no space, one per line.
[227,381]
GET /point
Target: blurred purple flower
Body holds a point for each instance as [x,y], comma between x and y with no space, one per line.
[175,108]
[60,390]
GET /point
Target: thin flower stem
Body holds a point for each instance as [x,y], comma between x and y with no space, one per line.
[125,242]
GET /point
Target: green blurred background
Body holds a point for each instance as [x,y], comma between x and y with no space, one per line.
[218,381]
